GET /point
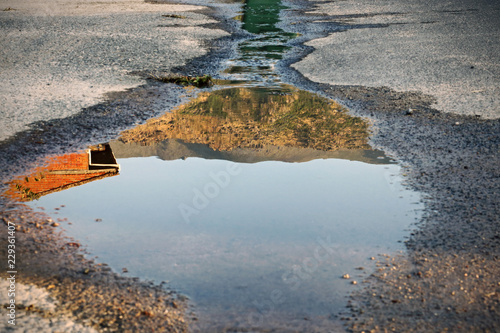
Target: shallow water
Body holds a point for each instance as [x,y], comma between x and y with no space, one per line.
[257,56]
[230,234]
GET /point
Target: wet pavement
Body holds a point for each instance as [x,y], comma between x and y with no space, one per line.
[229,234]
[257,240]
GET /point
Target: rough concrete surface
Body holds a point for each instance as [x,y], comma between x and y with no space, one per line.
[60,56]
[449,50]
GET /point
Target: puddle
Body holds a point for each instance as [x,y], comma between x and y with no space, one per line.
[231,235]
[253,199]
[256,244]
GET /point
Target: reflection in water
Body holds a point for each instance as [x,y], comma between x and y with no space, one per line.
[175,149]
[231,235]
[258,55]
[256,117]
[63,172]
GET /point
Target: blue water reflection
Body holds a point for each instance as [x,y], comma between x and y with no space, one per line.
[229,234]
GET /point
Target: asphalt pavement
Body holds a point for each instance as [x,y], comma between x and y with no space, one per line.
[447,50]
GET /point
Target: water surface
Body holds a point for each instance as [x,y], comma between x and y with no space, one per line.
[257,56]
[230,234]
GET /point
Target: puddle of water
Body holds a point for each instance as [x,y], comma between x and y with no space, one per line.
[258,243]
[256,246]
[230,235]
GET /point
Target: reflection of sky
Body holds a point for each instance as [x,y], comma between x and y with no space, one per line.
[258,224]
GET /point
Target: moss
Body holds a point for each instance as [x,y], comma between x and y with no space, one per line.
[196,81]
[26,193]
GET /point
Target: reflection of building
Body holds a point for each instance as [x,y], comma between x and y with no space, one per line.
[66,171]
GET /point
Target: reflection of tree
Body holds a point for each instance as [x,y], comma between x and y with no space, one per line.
[254,117]
[261,17]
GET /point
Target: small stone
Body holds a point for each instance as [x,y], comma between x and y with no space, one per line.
[354,282]
[346,276]
[55,224]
